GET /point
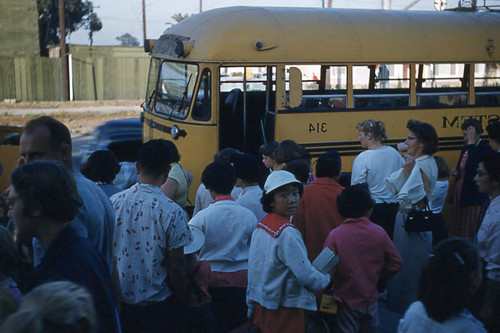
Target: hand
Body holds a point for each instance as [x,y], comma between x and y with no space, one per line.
[470,135]
[409,164]
[402,147]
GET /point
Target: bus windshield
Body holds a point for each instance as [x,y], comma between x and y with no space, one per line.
[175,88]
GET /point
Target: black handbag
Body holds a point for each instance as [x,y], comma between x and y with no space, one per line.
[420,220]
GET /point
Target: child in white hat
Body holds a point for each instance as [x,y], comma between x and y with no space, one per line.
[280,276]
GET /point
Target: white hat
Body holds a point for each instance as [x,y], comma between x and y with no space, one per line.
[279,178]
[198,240]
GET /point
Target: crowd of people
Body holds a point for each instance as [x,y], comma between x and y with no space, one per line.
[113,248]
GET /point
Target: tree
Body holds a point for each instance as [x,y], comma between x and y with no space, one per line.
[77,14]
[178,18]
[127,40]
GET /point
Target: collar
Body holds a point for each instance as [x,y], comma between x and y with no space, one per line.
[274,224]
[325,181]
[222,198]
[357,219]
[423,157]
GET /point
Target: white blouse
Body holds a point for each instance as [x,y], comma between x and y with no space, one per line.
[410,190]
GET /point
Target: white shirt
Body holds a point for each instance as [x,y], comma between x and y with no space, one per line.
[410,190]
[250,198]
[280,274]
[438,197]
[417,321]
[148,223]
[372,167]
[488,239]
[227,227]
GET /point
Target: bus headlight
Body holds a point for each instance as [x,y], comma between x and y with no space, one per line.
[175,132]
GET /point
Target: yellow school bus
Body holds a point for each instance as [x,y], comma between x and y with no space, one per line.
[243,76]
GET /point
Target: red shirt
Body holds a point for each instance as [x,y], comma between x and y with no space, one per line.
[365,253]
[318,214]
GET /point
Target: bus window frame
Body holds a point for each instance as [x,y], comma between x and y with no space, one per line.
[172,114]
[150,100]
[197,89]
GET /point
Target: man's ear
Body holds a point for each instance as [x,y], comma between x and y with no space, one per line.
[138,167]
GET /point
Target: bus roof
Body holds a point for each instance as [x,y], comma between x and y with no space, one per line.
[316,35]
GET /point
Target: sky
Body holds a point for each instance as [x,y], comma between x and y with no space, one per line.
[125,16]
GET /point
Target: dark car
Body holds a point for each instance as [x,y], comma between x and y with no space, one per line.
[122,136]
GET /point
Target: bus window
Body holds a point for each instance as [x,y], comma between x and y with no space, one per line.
[175,88]
[323,87]
[487,84]
[235,77]
[442,85]
[201,110]
[384,86]
[152,78]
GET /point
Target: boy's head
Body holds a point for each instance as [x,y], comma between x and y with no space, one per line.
[277,182]
[219,177]
[328,165]
[355,201]
[154,158]
[247,168]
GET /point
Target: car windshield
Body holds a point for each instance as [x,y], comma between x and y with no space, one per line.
[175,89]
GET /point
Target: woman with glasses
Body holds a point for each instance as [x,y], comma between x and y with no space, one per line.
[372,166]
[412,185]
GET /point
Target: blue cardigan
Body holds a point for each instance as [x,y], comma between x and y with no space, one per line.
[470,195]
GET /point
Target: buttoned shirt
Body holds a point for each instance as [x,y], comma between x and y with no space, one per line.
[365,252]
[148,224]
[488,239]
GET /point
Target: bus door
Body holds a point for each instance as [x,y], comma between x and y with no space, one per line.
[246,107]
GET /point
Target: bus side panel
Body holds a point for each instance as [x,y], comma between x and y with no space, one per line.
[320,132]
[197,148]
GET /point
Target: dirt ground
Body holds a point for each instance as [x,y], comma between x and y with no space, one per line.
[80,116]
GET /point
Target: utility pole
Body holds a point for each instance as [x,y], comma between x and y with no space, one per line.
[64,56]
[201,6]
[329,3]
[386,4]
[144,21]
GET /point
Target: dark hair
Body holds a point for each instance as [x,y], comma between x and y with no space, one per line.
[219,177]
[443,168]
[328,164]
[267,199]
[9,257]
[269,149]
[375,127]
[474,123]
[289,150]
[154,157]
[491,163]
[493,130]
[355,201]
[444,286]
[300,169]
[426,134]
[59,133]
[247,167]
[174,152]
[226,155]
[49,187]
[101,166]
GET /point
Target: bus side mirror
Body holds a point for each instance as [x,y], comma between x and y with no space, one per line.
[295,87]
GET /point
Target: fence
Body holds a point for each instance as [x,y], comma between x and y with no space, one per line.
[97,73]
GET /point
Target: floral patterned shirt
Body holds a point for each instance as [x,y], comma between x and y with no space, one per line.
[148,224]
